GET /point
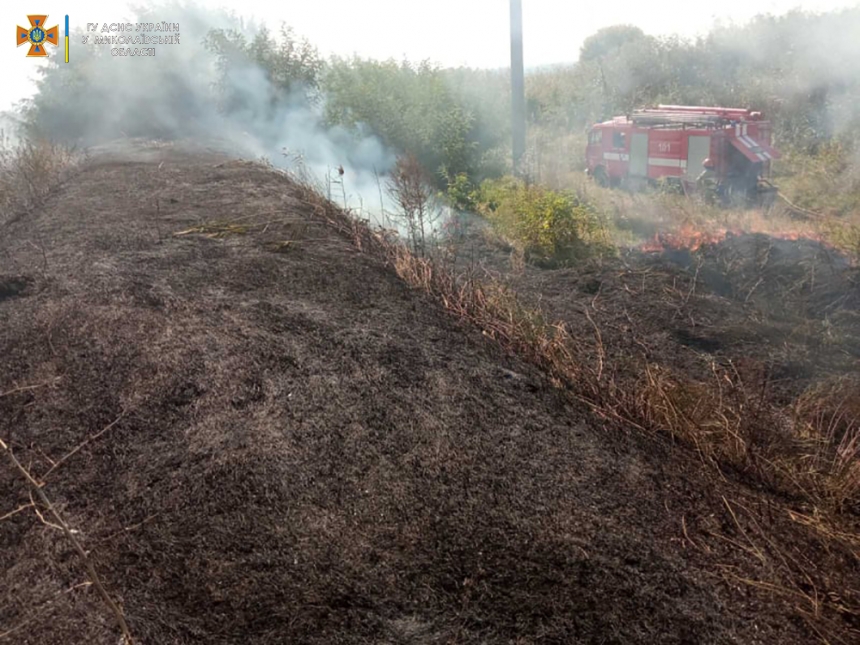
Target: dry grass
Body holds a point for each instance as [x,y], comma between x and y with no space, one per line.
[29,171]
[636,218]
[728,420]
[828,416]
[827,182]
[844,234]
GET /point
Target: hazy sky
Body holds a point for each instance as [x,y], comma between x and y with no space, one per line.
[452,32]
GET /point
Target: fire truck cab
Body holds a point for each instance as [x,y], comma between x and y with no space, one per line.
[671,143]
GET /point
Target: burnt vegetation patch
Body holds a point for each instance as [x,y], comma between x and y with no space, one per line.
[296,446]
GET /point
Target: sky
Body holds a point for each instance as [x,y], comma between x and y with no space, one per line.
[471,33]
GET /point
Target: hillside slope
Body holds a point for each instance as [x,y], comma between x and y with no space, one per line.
[297,448]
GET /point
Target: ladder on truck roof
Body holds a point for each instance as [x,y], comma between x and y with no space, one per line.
[729,113]
[670,118]
[680,115]
[649,119]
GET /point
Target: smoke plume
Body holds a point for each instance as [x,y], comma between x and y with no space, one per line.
[177,94]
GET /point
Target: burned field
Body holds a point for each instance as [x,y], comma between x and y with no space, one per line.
[262,435]
[791,307]
[746,346]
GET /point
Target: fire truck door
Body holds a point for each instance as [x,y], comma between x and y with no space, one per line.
[698,149]
[639,154]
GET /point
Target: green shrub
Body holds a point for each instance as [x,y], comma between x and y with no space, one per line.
[462,193]
[552,228]
[448,119]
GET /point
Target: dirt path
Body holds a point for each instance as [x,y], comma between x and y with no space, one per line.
[305,451]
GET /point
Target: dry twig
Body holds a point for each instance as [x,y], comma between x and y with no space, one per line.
[94,577]
[81,445]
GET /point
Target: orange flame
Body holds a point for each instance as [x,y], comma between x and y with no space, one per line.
[690,238]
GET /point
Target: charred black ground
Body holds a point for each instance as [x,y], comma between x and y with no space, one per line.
[304,450]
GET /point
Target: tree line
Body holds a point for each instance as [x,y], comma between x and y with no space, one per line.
[802,69]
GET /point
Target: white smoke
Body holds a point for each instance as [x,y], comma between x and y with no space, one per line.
[175,95]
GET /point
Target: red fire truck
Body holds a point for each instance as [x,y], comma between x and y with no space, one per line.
[677,144]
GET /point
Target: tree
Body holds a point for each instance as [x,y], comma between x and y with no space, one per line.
[608,40]
[285,69]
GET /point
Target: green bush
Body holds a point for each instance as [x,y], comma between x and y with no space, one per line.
[448,119]
[552,228]
[462,193]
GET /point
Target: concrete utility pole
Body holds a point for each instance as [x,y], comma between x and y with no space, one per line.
[518,85]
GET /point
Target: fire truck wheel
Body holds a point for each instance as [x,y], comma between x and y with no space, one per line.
[600,176]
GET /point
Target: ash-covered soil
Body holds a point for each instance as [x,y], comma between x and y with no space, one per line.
[262,442]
